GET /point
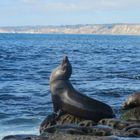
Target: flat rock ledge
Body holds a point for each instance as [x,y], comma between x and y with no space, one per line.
[58,137]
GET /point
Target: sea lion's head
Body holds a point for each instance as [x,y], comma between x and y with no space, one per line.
[63,71]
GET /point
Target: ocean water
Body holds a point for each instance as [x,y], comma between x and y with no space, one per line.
[106,68]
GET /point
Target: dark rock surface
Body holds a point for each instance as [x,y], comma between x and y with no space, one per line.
[131,114]
[64,119]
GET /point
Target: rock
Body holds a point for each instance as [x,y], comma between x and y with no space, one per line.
[87,123]
[135,132]
[64,129]
[58,137]
[79,137]
[131,114]
[65,119]
[115,123]
[50,120]
[66,124]
[132,126]
[133,129]
[122,128]
[132,101]
[98,130]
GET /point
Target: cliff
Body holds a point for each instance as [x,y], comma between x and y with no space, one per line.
[113,29]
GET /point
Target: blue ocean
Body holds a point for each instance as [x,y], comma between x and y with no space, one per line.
[105,67]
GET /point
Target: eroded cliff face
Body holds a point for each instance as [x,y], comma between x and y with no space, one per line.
[113,29]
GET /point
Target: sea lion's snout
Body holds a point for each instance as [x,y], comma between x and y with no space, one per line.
[63,71]
[65,60]
[66,67]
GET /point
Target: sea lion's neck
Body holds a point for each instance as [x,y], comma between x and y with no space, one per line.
[60,86]
[58,89]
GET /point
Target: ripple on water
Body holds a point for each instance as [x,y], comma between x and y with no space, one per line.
[4,97]
[21,121]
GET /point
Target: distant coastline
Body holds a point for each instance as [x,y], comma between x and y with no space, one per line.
[112,29]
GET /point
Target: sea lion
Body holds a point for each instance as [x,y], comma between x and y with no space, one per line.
[132,101]
[66,98]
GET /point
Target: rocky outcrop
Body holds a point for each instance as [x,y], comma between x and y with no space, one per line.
[59,137]
[127,126]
